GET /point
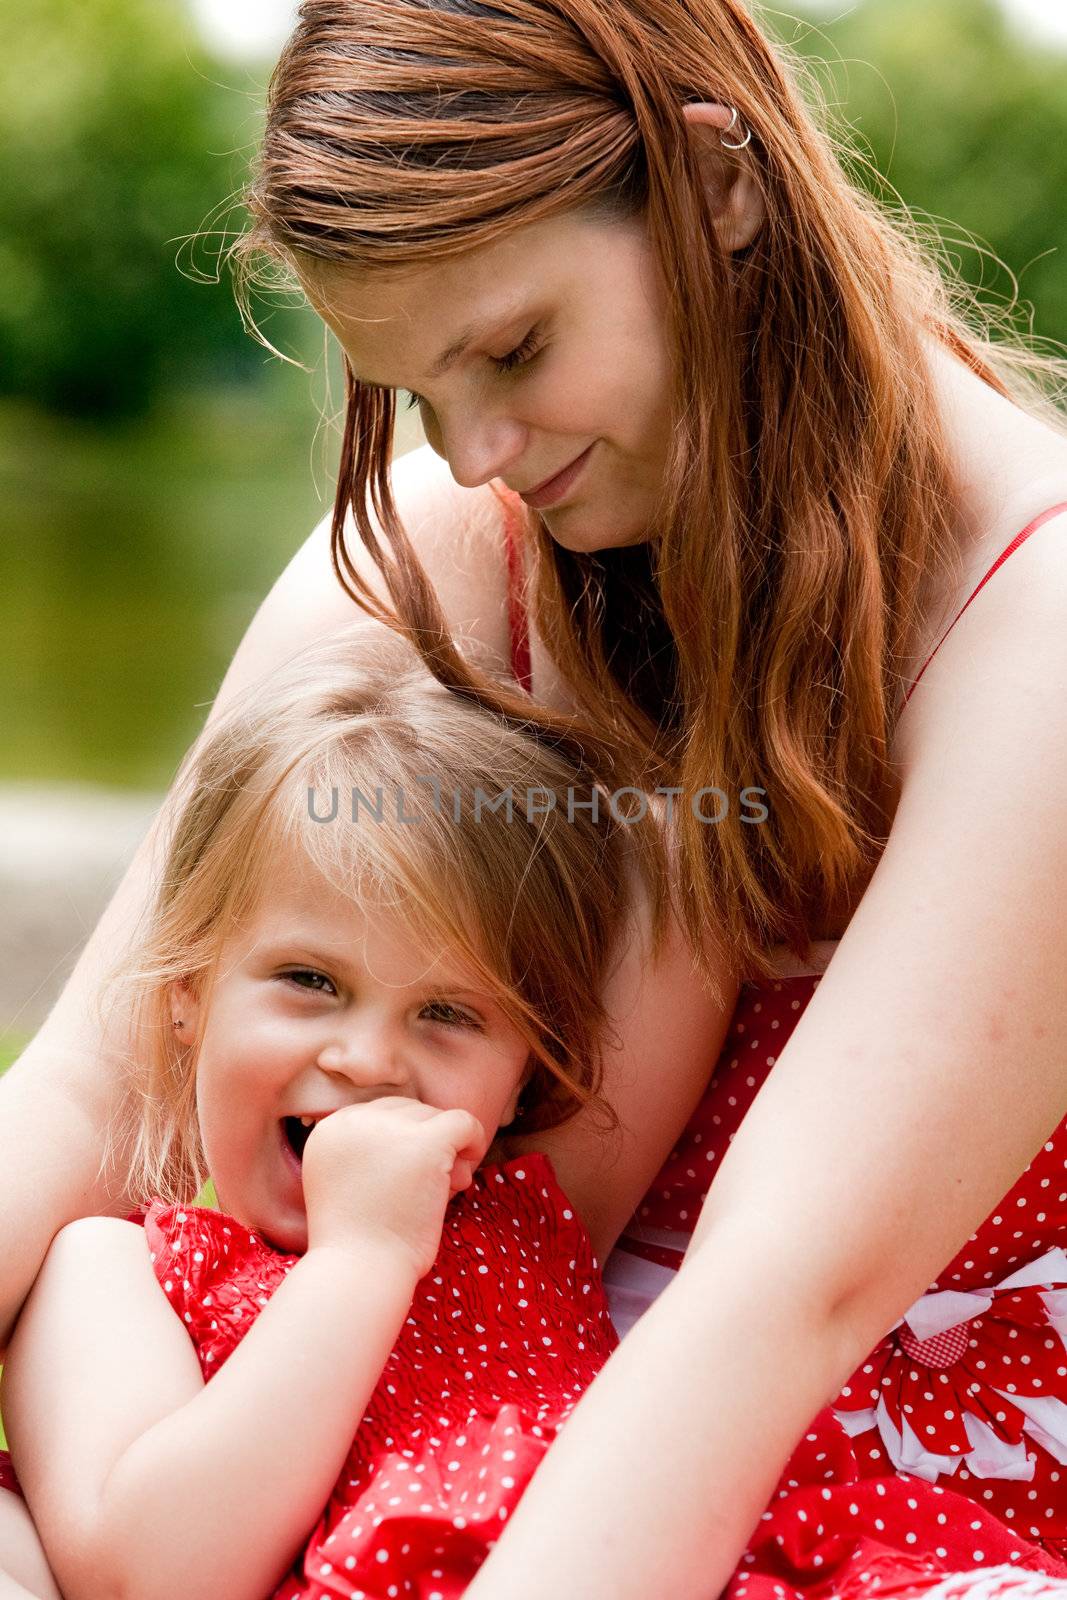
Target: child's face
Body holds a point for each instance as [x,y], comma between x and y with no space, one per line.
[319,1004]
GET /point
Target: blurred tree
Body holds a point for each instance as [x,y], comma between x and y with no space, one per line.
[114,143]
[967,120]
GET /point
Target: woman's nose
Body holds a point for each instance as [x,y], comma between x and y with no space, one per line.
[477,446]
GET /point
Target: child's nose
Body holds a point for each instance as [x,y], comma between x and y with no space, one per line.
[367,1051]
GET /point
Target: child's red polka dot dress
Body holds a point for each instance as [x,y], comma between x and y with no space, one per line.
[503,1336]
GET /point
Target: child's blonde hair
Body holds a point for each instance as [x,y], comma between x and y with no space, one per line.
[453,827]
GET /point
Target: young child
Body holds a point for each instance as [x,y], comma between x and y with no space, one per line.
[376,945]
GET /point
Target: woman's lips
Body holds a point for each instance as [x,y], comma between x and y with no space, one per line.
[552,492]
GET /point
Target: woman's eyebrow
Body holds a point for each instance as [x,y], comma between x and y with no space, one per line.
[448,357]
[474,330]
[491,322]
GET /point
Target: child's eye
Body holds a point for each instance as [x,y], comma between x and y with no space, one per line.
[450,1015]
[307,978]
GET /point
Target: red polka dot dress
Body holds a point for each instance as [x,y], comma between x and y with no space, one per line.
[503,1336]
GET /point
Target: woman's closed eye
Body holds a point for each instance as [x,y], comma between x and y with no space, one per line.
[518,357]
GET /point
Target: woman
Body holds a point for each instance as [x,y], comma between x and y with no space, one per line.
[615,237]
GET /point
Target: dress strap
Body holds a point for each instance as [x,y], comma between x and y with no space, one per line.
[518,616]
[1020,538]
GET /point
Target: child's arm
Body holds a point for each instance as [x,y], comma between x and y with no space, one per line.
[144,1482]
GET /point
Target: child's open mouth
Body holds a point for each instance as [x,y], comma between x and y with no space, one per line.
[296,1132]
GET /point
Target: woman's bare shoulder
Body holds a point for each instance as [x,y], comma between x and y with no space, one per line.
[457,534]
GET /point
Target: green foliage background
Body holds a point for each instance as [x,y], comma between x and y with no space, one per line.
[113,130]
[158,468]
[968,121]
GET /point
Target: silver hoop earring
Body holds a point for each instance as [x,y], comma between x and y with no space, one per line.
[727,144]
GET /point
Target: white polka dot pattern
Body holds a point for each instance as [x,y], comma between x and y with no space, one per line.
[475,1391]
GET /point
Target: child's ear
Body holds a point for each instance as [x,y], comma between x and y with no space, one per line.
[184,1011]
[511,1110]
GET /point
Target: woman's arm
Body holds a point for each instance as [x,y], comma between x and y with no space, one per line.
[67,1080]
[925,1073]
[144,1481]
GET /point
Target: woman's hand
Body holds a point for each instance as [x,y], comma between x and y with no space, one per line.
[384,1171]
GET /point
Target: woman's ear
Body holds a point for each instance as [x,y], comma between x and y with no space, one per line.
[729,178]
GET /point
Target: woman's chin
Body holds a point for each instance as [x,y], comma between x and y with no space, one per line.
[574,529]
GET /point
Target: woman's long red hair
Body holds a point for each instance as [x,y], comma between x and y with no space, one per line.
[808,500]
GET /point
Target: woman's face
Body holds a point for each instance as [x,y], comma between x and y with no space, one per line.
[567,350]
